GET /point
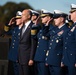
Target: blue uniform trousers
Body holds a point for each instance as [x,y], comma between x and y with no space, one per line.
[42,69]
[55,70]
[71,70]
[16,68]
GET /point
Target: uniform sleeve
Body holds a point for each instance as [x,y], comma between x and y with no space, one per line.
[45,30]
[8,30]
[34,31]
[75,41]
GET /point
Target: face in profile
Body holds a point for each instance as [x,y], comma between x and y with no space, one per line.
[44,19]
[25,15]
[58,21]
[18,21]
[73,16]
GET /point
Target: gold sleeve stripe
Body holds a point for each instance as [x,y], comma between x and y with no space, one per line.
[6,28]
[33,32]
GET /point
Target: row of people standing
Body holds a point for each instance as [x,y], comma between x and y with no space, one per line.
[22,47]
[45,44]
[56,44]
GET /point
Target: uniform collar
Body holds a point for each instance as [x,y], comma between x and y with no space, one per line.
[61,26]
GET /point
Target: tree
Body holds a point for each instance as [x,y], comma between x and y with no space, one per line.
[9,10]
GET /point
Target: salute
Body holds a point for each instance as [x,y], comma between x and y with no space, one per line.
[42,44]
[55,53]
[69,58]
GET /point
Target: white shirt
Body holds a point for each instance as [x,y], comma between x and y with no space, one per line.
[61,26]
[25,27]
[27,24]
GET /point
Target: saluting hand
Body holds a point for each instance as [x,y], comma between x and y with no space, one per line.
[12,21]
[37,20]
[48,22]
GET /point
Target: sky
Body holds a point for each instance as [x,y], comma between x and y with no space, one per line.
[50,5]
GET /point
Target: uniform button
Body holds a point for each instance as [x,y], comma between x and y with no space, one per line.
[65,42]
[65,47]
[14,40]
[12,47]
[66,38]
[38,42]
[57,41]
[49,47]
[50,43]
[37,46]
[18,33]
[46,59]
[14,31]
[43,37]
[44,50]
[13,43]
[39,38]
[69,34]
[51,40]
[57,54]
[71,54]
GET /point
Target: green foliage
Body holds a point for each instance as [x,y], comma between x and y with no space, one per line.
[9,10]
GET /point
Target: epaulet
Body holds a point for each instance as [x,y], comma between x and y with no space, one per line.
[6,28]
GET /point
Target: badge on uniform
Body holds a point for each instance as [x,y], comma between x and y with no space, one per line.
[57,41]
[60,33]
[47,53]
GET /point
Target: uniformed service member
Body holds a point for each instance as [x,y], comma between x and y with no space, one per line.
[69,52]
[42,45]
[13,52]
[35,16]
[55,52]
